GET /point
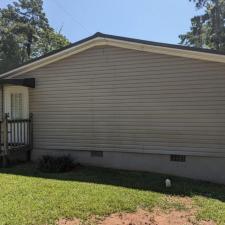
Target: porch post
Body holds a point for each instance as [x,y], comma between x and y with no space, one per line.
[30,137]
[31,130]
[5,139]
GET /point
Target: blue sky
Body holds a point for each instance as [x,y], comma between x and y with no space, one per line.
[154,20]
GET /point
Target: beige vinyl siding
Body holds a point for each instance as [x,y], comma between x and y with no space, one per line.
[115,99]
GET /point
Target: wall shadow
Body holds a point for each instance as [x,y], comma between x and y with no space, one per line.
[129,179]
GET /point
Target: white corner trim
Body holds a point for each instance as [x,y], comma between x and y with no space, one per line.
[100,41]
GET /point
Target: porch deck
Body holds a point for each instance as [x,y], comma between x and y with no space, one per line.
[16,135]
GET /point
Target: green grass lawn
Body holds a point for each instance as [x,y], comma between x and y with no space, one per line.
[31,197]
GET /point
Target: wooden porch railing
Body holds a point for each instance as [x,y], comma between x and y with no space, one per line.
[16,135]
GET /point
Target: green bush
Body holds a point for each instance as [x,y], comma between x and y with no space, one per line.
[55,164]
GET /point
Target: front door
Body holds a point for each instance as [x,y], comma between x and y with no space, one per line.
[16,105]
[16,102]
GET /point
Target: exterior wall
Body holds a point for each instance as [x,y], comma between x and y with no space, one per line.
[126,101]
[196,167]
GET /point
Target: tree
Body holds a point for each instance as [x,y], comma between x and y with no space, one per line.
[207,30]
[25,33]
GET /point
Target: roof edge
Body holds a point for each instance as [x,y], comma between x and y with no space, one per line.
[130,43]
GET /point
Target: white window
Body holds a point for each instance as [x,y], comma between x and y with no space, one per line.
[16,106]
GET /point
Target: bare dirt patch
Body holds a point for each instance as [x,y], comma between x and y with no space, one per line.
[69,222]
[157,217]
[143,217]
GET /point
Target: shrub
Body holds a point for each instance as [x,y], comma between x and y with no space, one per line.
[56,164]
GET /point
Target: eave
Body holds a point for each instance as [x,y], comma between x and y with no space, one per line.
[100,39]
[27,82]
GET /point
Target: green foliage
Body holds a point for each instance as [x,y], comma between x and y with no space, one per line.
[207,30]
[55,164]
[25,33]
[200,3]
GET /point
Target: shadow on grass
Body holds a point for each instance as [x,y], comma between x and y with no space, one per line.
[128,179]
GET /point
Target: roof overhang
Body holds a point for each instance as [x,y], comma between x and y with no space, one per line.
[27,82]
[127,43]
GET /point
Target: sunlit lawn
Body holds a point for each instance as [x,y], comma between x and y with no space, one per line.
[30,197]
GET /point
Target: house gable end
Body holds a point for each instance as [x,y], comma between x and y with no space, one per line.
[108,40]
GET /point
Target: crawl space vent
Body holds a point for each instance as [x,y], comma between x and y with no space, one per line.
[178,158]
[96,153]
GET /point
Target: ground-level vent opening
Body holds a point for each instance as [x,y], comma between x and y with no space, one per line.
[96,153]
[178,158]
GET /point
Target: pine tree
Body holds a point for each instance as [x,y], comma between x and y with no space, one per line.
[25,33]
[207,30]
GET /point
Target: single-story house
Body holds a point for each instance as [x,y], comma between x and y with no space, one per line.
[122,103]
